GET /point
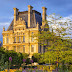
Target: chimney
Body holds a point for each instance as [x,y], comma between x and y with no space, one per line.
[44,15]
[15,14]
[29,15]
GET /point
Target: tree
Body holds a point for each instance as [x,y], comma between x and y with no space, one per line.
[36,57]
[53,35]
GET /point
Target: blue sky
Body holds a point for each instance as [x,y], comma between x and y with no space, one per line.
[62,7]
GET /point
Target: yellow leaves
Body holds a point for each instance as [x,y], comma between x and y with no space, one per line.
[11,70]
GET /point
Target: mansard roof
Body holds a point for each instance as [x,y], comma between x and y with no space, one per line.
[36,17]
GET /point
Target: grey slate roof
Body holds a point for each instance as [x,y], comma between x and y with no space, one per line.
[35,17]
[11,26]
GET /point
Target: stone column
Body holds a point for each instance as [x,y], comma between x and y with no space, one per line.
[44,15]
[15,14]
[29,15]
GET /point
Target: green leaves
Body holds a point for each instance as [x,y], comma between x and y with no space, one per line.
[57,42]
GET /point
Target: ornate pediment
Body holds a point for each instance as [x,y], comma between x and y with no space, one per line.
[20,22]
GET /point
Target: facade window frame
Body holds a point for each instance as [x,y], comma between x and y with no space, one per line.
[40,48]
[32,39]
[23,48]
[14,39]
[19,39]
[32,48]
[7,40]
[14,48]
[18,48]
[23,38]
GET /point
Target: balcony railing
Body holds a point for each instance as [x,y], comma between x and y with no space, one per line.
[14,42]
[19,42]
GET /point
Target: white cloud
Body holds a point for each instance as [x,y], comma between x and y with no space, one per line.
[4,23]
[61,23]
[6,17]
[68,17]
[11,17]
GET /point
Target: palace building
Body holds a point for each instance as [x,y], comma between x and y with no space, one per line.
[18,36]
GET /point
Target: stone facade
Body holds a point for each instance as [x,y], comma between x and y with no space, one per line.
[18,36]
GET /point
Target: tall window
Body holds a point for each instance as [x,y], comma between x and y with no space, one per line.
[23,48]
[14,48]
[23,38]
[44,48]
[7,40]
[18,48]
[19,38]
[40,48]
[32,48]
[32,39]
[14,39]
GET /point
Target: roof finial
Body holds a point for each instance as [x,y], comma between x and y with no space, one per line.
[3,28]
